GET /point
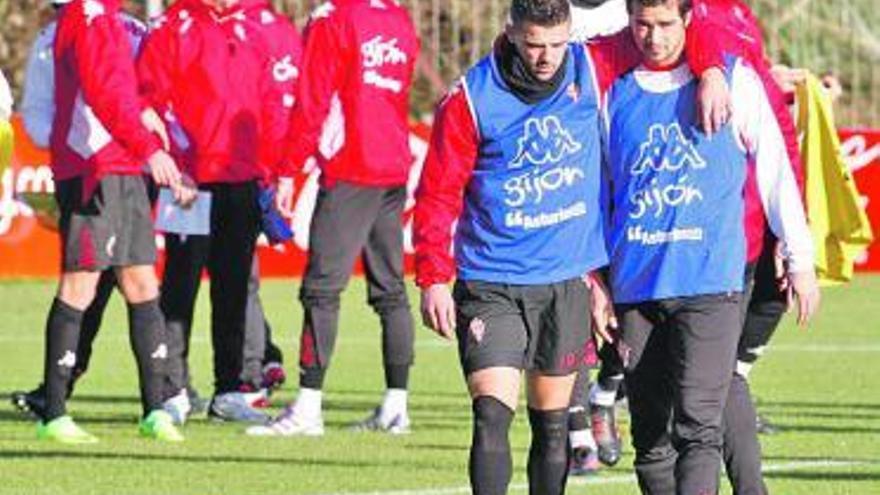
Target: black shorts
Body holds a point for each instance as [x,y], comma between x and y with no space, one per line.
[544,328]
[114,227]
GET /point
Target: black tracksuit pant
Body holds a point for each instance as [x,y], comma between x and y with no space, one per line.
[227,253]
[351,220]
[679,358]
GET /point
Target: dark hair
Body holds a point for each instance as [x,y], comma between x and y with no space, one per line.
[545,13]
[684,6]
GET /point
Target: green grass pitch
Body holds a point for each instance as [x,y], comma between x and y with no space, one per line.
[822,386]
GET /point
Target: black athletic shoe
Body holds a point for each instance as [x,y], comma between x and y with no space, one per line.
[32,403]
[605,432]
[764,427]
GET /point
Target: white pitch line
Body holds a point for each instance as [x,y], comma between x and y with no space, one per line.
[606,480]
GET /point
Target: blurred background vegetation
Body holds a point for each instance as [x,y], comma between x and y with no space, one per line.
[837,36]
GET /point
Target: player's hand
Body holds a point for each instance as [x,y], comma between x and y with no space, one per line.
[163,169]
[284,196]
[601,307]
[151,120]
[713,101]
[186,193]
[438,310]
[805,287]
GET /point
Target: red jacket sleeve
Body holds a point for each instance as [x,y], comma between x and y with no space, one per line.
[702,47]
[325,56]
[451,158]
[109,85]
[155,67]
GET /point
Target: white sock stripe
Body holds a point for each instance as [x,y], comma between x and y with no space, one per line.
[601,397]
[743,368]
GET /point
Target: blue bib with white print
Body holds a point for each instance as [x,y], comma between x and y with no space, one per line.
[532,208]
[676,226]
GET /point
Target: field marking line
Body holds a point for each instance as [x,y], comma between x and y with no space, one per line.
[607,480]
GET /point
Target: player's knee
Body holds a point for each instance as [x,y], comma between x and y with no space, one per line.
[550,433]
[78,289]
[319,298]
[491,424]
[138,285]
[389,302]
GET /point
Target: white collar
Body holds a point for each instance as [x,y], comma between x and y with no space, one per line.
[663,81]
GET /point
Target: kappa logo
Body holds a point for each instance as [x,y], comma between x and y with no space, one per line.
[111,245]
[284,70]
[161,352]
[477,329]
[544,141]
[667,149]
[68,360]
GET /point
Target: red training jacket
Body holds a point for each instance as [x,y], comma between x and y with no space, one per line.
[284,49]
[214,72]
[353,96]
[96,129]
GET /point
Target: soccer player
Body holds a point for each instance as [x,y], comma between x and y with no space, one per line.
[99,143]
[736,31]
[515,161]
[38,112]
[604,22]
[351,112]
[208,62]
[261,369]
[678,247]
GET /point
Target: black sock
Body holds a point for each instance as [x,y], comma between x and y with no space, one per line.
[397,376]
[490,465]
[312,378]
[397,341]
[548,455]
[578,419]
[146,327]
[62,336]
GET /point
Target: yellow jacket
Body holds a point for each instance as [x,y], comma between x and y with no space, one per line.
[840,226]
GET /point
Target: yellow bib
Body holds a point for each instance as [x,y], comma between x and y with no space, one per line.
[840,226]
